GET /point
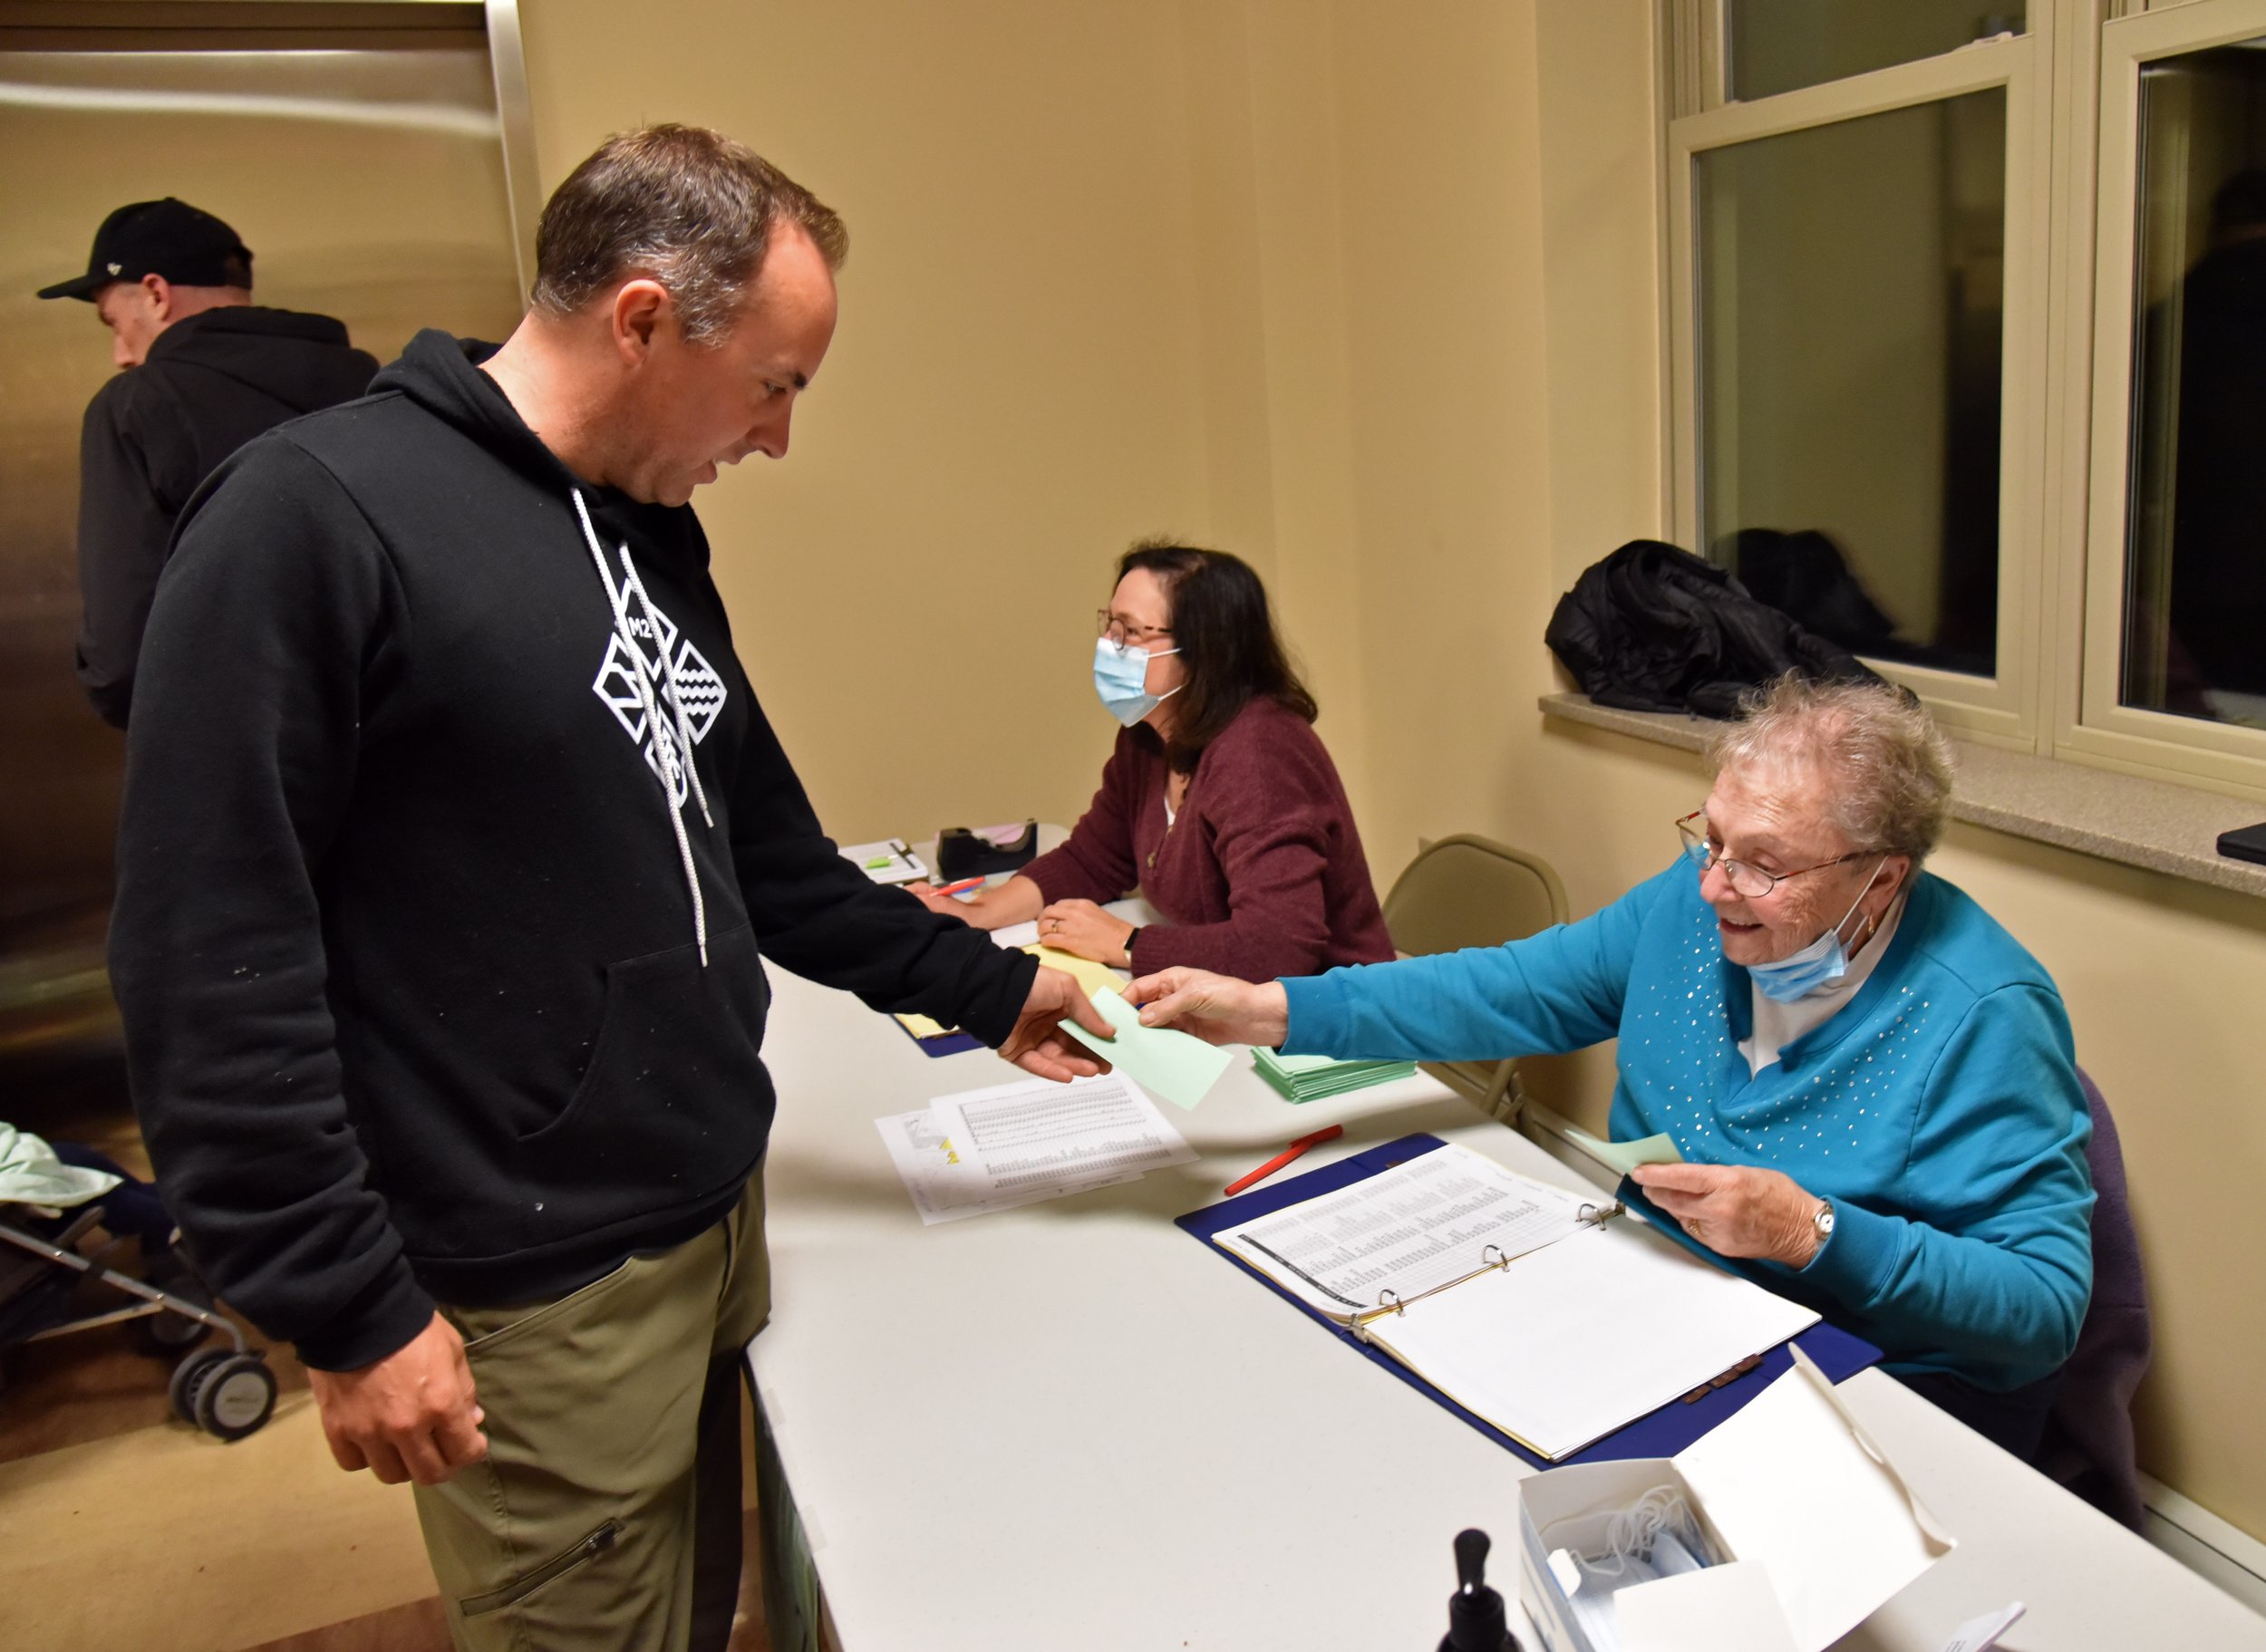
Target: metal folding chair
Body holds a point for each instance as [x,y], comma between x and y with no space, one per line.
[1468,891]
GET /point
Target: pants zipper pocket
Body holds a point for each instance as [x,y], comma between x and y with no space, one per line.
[558,1566]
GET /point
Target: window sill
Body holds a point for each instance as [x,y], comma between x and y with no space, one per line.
[2149,824]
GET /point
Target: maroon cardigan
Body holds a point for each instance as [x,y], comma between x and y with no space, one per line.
[1262,874]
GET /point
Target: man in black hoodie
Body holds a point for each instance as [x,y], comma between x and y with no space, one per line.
[453,834]
[203,372]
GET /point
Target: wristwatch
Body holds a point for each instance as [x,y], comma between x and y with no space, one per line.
[1822,1220]
[1129,939]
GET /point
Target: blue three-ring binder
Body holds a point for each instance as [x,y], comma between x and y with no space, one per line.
[1659,1434]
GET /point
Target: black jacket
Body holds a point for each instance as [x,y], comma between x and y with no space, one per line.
[2217,607]
[153,433]
[403,937]
[1652,628]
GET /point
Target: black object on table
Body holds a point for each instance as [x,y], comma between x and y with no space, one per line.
[1476,1620]
[963,852]
[2245,843]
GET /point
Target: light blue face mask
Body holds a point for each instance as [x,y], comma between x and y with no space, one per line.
[1819,964]
[1122,679]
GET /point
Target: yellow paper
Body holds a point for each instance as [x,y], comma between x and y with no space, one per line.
[1091,977]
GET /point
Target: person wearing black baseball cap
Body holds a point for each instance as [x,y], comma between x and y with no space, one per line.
[203,370]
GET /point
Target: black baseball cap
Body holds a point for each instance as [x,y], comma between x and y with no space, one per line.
[170,238]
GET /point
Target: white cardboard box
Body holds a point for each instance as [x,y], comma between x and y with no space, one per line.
[1818,1528]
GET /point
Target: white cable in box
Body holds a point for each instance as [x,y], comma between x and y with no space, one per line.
[1812,1525]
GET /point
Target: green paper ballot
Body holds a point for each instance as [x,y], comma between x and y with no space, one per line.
[1625,1156]
[1181,1068]
[1314,1077]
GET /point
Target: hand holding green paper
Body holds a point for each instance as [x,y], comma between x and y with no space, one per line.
[1622,1157]
[1176,1067]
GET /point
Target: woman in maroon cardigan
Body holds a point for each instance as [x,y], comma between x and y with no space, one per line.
[1219,801]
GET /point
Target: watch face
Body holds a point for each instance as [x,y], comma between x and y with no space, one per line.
[1824,1220]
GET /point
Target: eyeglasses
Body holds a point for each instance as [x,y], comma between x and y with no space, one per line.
[1751,881]
[1121,634]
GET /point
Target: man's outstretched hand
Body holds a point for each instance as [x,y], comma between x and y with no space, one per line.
[1039,1046]
[411,1415]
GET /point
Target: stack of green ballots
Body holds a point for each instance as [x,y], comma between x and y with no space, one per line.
[1313,1078]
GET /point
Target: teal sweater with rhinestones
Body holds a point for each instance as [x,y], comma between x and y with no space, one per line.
[1939,1109]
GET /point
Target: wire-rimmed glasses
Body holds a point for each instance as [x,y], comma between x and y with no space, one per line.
[1749,881]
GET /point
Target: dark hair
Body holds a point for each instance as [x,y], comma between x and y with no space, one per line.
[690,208]
[1228,645]
[235,270]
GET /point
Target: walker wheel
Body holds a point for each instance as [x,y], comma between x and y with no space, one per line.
[188,1377]
[167,1332]
[234,1397]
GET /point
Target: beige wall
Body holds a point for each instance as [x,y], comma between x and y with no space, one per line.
[1371,297]
[1016,390]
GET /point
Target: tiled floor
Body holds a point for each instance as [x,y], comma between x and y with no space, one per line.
[121,1526]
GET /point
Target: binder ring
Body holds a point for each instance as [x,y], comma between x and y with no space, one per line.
[1390,1299]
[1492,1256]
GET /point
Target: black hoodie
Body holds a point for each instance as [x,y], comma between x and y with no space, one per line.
[403,936]
[152,434]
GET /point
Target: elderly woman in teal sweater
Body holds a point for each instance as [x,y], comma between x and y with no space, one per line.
[1871,1082]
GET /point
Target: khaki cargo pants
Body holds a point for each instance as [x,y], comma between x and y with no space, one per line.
[607,1513]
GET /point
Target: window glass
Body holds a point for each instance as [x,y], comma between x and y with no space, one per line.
[1850,282]
[2195,529]
[1776,45]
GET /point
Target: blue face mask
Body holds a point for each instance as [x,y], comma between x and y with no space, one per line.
[1819,964]
[1122,679]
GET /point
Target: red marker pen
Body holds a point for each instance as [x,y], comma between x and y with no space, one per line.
[1329,1134]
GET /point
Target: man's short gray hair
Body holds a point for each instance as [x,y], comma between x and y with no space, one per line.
[688,206]
[1886,768]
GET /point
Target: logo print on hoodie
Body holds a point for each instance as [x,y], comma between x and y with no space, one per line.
[697,687]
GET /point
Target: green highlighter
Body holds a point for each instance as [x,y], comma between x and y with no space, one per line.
[1181,1068]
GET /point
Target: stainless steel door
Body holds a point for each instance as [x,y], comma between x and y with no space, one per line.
[366,169]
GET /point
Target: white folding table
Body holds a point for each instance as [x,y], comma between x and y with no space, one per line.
[1072,1426]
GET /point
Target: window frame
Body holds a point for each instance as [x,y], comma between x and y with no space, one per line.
[2006,708]
[2094,726]
[2072,83]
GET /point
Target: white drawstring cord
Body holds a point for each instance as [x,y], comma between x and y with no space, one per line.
[665,743]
